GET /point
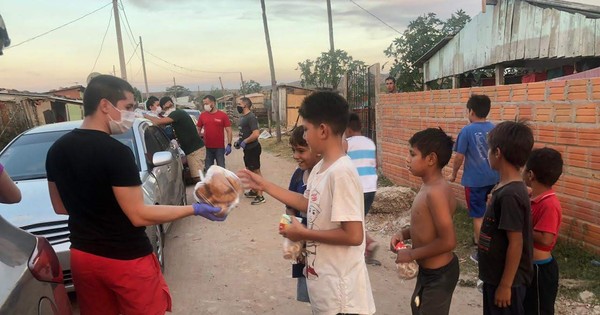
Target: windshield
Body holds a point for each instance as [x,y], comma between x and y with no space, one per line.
[26,157]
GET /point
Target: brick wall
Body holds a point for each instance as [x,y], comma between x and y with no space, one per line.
[564,115]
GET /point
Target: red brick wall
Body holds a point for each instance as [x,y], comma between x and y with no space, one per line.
[564,115]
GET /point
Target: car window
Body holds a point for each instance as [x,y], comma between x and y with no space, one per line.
[156,141]
[25,158]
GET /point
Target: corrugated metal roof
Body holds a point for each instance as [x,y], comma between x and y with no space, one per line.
[515,30]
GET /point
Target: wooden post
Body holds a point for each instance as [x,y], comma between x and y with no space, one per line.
[483,5]
[274,94]
[499,75]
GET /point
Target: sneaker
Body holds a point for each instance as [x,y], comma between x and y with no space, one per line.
[475,256]
[372,262]
[251,194]
[480,285]
[258,200]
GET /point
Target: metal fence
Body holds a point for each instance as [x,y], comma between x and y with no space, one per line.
[361,87]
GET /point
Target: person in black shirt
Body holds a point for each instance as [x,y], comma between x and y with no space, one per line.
[93,178]
[505,241]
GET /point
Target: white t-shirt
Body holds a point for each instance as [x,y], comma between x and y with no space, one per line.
[362,151]
[337,276]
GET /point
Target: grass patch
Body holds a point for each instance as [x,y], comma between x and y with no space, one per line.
[574,262]
[281,149]
[463,227]
[383,181]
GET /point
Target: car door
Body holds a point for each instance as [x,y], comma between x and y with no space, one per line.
[168,177]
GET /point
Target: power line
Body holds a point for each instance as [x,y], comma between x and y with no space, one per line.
[54,29]
[134,53]
[373,15]
[102,44]
[184,68]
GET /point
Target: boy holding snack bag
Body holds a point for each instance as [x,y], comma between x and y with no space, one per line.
[336,272]
[431,228]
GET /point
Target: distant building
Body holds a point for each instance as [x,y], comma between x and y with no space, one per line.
[73,92]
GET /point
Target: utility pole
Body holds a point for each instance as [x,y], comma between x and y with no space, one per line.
[144,68]
[222,88]
[114,71]
[174,84]
[331,46]
[120,41]
[274,94]
[242,86]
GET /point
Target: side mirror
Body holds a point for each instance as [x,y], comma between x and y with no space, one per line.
[162,158]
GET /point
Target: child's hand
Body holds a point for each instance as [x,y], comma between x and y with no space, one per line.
[251,180]
[293,231]
[404,256]
[502,298]
[395,239]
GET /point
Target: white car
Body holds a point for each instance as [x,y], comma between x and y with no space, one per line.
[159,165]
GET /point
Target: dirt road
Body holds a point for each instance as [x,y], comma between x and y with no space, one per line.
[236,267]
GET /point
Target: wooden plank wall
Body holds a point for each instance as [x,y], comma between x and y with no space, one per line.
[515,30]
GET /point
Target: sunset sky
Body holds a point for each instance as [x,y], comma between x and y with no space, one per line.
[221,38]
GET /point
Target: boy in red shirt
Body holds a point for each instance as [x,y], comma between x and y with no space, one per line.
[542,170]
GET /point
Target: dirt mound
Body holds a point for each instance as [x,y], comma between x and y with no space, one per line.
[393,200]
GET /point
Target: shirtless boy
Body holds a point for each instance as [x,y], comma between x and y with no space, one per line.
[431,228]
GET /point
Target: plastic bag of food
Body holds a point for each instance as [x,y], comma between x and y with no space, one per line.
[409,270]
[291,250]
[219,188]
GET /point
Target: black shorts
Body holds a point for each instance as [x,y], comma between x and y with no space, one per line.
[541,295]
[517,295]
[369,197]
[434,289]
[252,157]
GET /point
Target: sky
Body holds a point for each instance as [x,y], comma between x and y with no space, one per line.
[194,42]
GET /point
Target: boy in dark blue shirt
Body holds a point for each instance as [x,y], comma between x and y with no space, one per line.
[471,147]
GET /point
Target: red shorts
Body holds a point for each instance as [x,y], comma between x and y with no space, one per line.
[106,286]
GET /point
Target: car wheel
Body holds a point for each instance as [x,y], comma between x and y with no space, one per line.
[157,238]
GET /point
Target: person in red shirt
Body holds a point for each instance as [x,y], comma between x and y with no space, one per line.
[542,170]
[215,123]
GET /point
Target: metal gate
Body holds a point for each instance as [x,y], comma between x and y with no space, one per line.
[361,95]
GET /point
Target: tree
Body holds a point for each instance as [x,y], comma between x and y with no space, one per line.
[326,70]
[420,36]
[177,91]
[137,95]
[249,87]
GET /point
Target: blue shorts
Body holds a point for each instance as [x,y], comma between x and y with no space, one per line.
[476,198]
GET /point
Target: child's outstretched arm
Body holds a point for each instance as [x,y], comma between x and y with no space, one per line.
[513,257]
[349,234]
[439,208]
[257,182]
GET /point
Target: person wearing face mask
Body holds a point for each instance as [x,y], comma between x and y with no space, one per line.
[153,105]
[214,123]
[93,178]
[248,141]
[186,133]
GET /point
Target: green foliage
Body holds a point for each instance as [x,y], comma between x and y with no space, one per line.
[137,95]
[420,36]
[249,87]
[326,70]
[178,91]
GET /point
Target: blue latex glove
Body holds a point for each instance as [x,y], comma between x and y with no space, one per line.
[243,144]
[207,211]
[228,149]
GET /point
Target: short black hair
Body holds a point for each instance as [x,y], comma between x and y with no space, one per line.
[354,122]
[328,108]
[480,105]
[165,99]
[246,101]
[391,78]
[151,101]
[297,137]
[106,87]
[433,140]
[210,97]
[514,139]
[546,164]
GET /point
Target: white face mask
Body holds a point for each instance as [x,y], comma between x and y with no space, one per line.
[124,124]
[207,108]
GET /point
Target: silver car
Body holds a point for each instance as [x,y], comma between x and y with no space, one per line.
[32,281]
[159,165]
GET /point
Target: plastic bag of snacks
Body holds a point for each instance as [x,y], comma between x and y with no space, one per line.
[219,188]
[291,250]
[409,270]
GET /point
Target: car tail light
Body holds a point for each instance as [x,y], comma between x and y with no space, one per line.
[44,264]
